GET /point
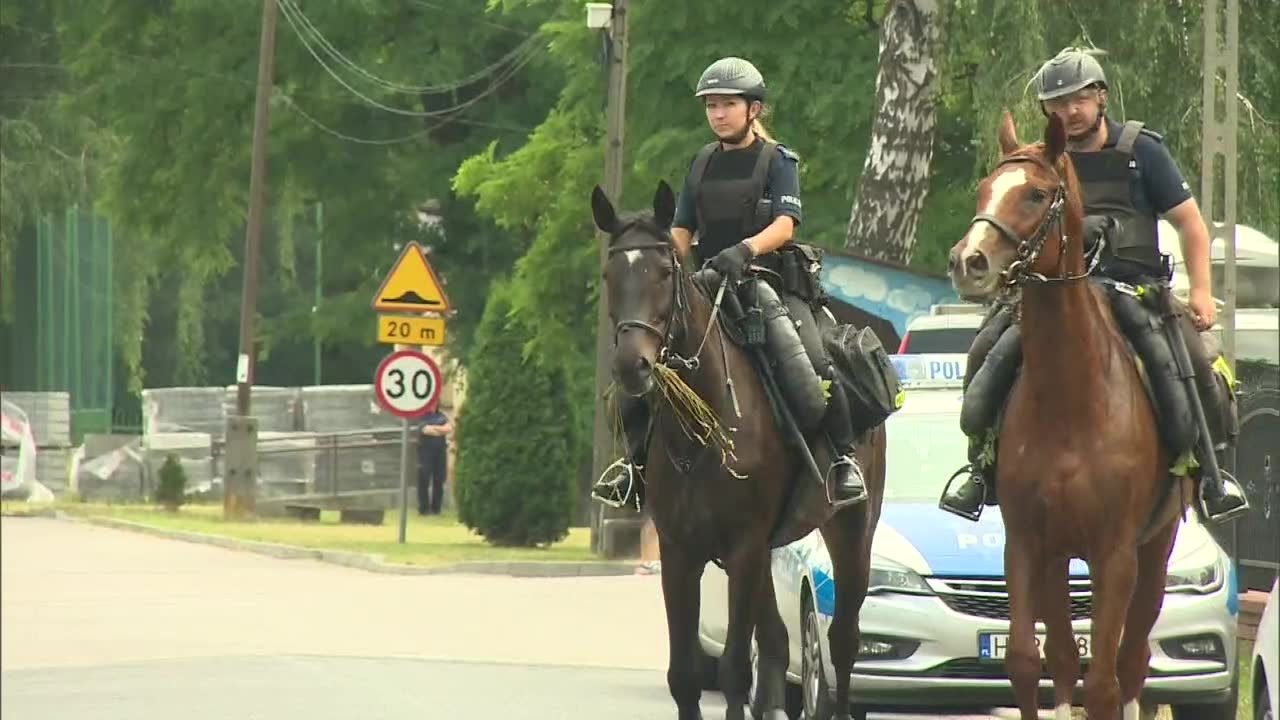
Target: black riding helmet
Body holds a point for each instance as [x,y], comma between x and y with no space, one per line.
[732,76]
[1070,70]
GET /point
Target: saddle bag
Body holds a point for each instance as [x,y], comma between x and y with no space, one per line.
[862,367]
[795,268]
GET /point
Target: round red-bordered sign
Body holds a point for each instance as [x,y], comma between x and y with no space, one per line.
[406,383]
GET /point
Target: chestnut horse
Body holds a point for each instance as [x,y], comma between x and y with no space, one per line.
[704,511]
[1080,469]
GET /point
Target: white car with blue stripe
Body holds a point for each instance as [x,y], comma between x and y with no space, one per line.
[935,622]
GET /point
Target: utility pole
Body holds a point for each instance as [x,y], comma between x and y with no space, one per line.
[602,444]
[1218,143]
[241,476]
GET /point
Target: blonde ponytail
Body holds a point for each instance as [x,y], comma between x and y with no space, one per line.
[757,126]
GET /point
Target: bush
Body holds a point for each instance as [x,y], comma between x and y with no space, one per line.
[172,490]
[515,479]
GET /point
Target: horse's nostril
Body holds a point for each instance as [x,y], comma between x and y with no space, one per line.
[977,263]
[952,260]
[642,363]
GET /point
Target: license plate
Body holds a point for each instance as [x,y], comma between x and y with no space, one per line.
[994,646]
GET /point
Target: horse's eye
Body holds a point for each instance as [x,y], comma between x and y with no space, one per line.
[1038,195]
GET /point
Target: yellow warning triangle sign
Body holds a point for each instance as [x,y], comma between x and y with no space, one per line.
[411,286]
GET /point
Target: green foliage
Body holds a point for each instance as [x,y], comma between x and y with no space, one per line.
[514,483]
[171,491]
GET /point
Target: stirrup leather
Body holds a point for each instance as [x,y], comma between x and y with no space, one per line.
[614,491]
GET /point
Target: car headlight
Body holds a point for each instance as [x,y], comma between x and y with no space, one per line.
[1201,579]
[889,576]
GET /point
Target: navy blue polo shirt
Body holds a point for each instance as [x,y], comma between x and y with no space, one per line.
[1158,185]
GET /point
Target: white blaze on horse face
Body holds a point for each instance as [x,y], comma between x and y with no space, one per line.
[1000,187]
[632,256]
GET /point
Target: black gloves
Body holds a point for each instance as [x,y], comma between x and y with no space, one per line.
[732,261]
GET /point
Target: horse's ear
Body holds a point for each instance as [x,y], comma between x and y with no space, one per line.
[602,210]
[1055,138]
[664,205]
[1008,134]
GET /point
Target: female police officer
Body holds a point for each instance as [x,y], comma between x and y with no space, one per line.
[742,198]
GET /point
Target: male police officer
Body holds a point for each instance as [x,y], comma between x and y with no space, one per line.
[1128,175]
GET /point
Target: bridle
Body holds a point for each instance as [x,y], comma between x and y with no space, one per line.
[679,303]
[1029,248]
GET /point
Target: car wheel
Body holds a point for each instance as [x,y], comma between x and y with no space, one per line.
[1225,710]
[816,695]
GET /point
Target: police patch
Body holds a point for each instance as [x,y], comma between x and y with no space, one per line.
[790,200]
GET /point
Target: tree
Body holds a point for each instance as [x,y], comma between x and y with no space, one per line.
[514,478]
[895,177]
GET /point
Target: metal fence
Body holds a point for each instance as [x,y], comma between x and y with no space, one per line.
[62,334]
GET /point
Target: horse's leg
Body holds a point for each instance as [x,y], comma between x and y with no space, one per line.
[1061,653]
[1112,567]
[772,655]
[681,595]
[850,550]
[747,568]
[1022,564]
[1148,597]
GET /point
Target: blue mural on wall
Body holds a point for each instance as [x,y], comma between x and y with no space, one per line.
[896,295]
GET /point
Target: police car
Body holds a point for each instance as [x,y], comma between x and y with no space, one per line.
[936,620]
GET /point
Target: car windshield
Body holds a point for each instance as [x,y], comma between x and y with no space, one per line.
[1257,345]
[923,450]
[940,340]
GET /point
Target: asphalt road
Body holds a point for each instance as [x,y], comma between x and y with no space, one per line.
[101,624]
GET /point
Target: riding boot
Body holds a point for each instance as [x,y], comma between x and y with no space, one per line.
[998,342]
[971,487]
[847,486]
[622,482]
[1221,496]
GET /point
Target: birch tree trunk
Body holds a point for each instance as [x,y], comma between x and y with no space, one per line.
[895,176]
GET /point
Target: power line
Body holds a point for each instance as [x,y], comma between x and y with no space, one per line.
[291,8]
[498,81]
[392,141]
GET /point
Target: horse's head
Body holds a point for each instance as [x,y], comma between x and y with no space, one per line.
[644,286]
[1019,206]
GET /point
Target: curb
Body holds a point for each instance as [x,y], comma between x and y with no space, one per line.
[370,562]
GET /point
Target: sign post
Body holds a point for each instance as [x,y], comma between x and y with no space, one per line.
[411,305]
[407,384]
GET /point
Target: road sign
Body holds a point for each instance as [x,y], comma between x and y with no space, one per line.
[406,383]
[401,330]
[411,286]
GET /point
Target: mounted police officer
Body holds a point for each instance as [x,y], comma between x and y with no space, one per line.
[1129,180]
[741,198]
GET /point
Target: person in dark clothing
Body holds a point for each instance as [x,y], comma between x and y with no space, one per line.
[1129,181]
[433,431]
[738,209]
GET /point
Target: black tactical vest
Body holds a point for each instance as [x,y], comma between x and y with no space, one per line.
[728,194]
[1105,180]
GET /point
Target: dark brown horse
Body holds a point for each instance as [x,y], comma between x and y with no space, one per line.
[1080,469]
[705,511]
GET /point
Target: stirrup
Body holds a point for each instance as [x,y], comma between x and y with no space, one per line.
[859,496]
[1231,489]
[944,504]
[610,490]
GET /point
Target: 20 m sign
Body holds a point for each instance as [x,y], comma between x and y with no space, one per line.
[407,383]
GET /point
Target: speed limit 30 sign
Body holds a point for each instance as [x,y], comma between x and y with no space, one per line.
[407,383]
